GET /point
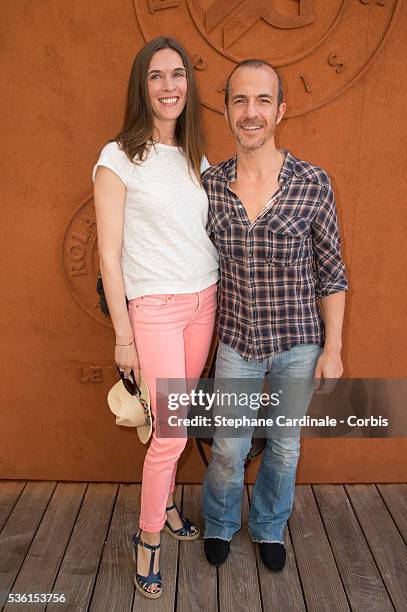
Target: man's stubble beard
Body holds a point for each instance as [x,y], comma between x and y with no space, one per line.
[257,145]
[254,146]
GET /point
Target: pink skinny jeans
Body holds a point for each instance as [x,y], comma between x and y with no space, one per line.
[173,335]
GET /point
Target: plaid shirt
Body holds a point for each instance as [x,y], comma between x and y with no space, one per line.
[273,271]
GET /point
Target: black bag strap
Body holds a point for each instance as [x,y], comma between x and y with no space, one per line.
[202,452]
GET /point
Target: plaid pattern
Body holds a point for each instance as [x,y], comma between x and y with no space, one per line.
[274,270]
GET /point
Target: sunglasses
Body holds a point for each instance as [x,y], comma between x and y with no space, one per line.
[130,383]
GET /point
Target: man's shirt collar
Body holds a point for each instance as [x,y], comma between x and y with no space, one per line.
[290,165]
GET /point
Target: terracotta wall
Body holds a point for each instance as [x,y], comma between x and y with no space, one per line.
[64,74]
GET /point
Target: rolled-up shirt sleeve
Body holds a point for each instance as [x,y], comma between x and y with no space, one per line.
[329,265]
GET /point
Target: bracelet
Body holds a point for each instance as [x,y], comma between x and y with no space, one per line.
[129,344]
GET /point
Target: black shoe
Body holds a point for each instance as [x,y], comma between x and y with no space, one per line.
[216,550]
[273,555]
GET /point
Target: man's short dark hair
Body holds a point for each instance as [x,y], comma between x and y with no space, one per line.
[255,63]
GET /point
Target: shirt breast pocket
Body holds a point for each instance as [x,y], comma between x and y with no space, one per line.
[222,226]
[287,240]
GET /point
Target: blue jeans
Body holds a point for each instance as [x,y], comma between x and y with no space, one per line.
[274,489]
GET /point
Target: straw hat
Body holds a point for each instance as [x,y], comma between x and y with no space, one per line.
[132,410]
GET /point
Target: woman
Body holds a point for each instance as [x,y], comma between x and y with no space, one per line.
[151,214]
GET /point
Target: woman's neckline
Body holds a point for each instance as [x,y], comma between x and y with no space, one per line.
[165,146]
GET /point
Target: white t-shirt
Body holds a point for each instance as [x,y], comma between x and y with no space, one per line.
[165,246]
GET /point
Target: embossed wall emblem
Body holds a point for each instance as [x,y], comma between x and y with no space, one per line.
[80,261]
[321,48]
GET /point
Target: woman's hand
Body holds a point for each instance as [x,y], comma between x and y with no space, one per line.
[126,359]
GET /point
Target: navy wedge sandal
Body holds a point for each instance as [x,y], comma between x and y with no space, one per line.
[188,531]
[144,582]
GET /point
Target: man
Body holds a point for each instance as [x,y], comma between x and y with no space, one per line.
[281,304]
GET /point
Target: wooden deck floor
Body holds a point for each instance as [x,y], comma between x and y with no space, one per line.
[346,551]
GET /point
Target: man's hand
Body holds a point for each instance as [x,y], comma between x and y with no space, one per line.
[329,369]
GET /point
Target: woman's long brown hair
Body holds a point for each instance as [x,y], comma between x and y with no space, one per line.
[138,126]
